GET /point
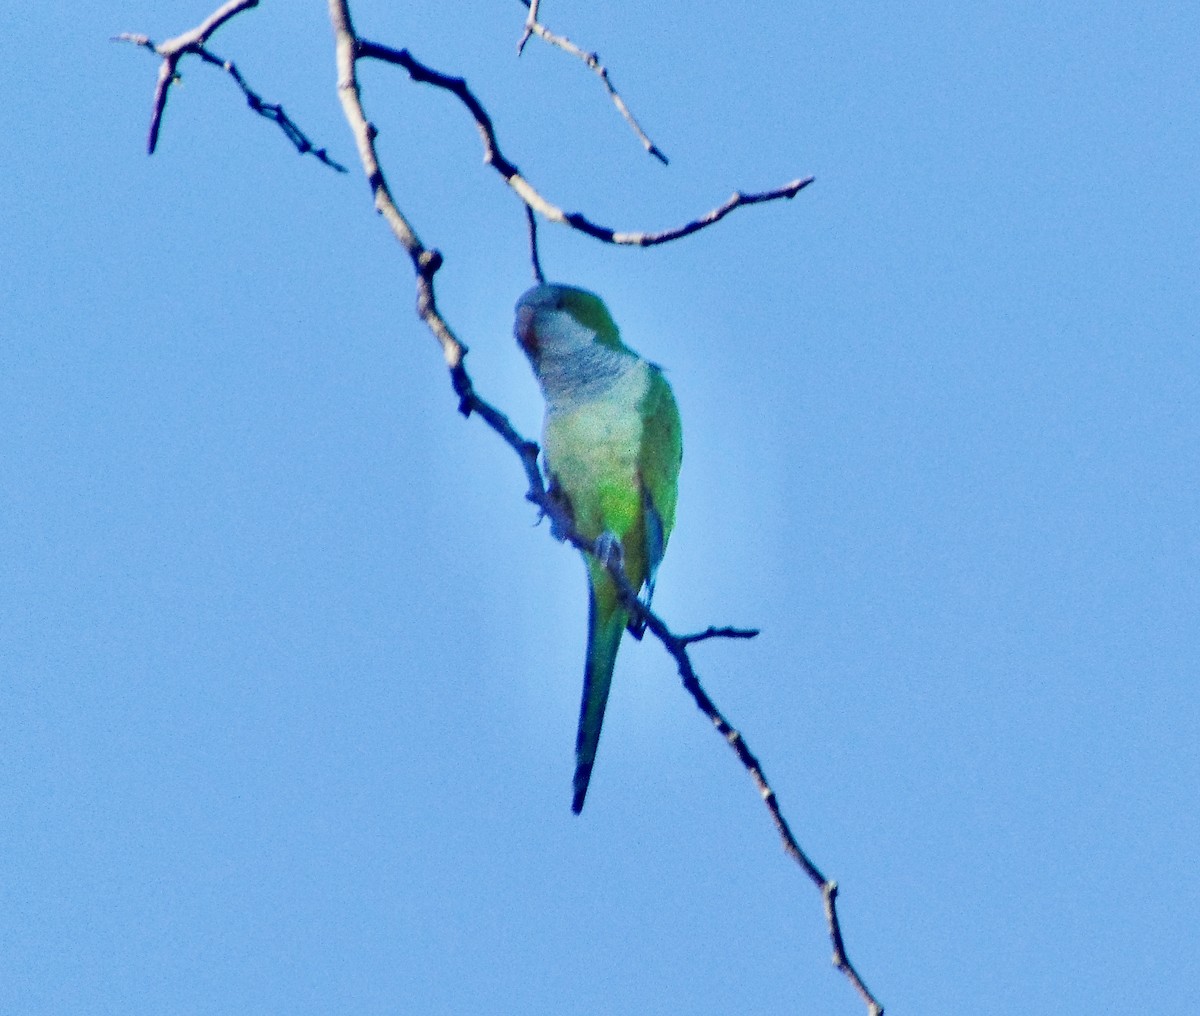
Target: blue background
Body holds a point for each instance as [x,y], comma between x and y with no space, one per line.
[289,677]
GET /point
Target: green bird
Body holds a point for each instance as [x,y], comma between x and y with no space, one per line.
[612,447]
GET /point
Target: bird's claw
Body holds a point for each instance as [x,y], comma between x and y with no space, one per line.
[609,550]
[611,554]
[561,507]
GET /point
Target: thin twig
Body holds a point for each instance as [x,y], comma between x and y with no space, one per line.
[194,42]
[534,260]
[272,111]
[719,633]
[494,157]
[173,49]
[531,19]
[534,27]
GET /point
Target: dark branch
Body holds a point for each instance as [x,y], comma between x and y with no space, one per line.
[719,633]
[272,111]
[194,42]
[535,261]
[736,200]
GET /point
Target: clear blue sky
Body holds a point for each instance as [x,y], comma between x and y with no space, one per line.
[289,678]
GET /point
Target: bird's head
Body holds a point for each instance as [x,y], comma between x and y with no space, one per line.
[555,321]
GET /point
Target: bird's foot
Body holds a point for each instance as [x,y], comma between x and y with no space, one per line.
[561,507]
[609,551]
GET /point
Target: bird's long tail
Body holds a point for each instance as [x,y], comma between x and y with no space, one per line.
[606,624]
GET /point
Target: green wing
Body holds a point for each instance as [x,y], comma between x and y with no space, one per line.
[659,460]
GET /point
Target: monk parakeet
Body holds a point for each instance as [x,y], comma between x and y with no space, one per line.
[612,448]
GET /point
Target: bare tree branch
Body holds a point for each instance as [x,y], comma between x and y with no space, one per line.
[193,41]
[426,262]
[495,158]
[534,260]
[271,111]
[531,19]
[173,49]
[534,27]
[719,633]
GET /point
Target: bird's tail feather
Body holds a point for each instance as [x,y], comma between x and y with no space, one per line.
[606,625]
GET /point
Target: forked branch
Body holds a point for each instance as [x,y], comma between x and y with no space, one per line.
[194,41]
[494,157]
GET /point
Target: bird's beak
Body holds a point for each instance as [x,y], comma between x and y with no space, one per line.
[524,332]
